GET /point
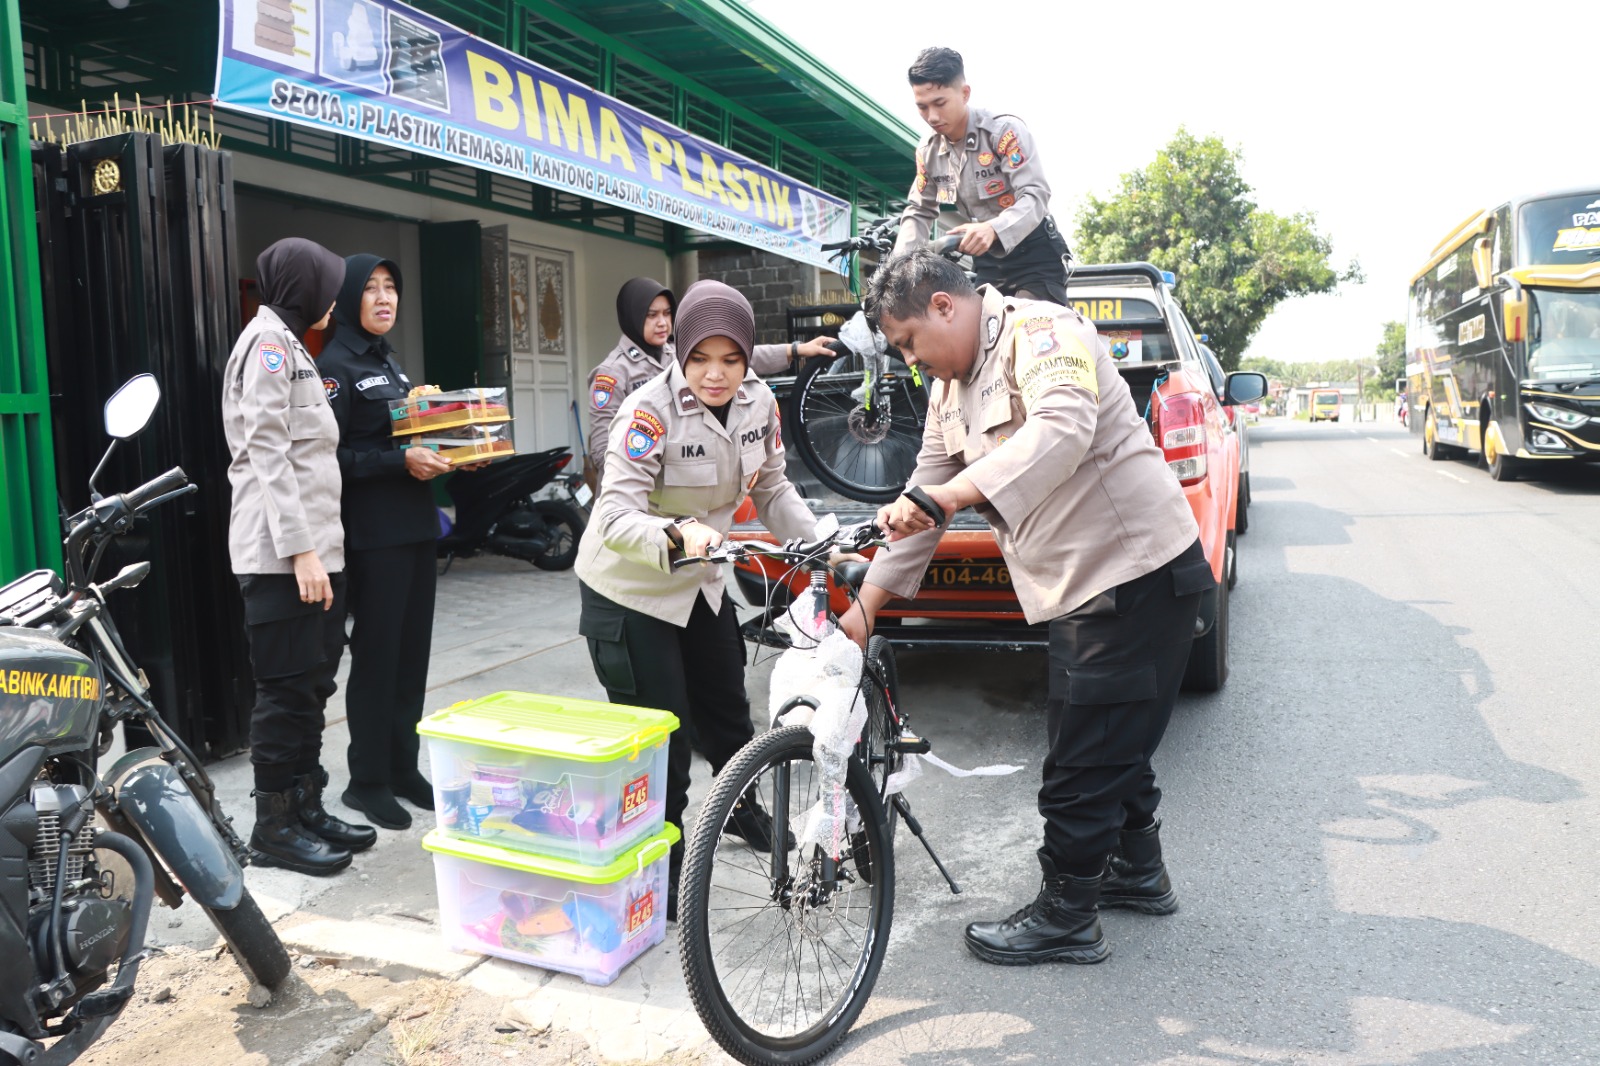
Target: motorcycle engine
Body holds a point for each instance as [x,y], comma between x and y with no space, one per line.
[521,521]
[94,929]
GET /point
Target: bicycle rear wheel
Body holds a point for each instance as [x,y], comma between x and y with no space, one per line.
[865,454]
[781,952]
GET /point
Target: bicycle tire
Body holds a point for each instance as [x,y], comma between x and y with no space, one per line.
[253,941]
[792,905]
[837,438]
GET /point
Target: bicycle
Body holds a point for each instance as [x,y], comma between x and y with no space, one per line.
[858,418]
[823,913]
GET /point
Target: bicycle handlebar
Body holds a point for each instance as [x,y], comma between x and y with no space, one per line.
[848,538]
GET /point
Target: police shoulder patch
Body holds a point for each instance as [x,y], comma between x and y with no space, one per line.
[644,433]
[1006,201]
[331,387]
[1046,357]
[600,394]
[272,357]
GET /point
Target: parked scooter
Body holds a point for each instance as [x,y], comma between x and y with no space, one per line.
[495,512]
[65,921]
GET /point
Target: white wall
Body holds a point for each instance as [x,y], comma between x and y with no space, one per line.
[600,264]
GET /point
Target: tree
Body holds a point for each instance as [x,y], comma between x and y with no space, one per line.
[1391,352]
[1190,212]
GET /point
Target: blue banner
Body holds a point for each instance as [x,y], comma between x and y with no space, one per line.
[386,73]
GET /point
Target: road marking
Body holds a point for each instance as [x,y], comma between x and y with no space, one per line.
[1374,440]
[1452,477]
[1401,454]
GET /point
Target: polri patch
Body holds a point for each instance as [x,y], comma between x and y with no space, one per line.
[995,187]
[272,357]
[644,433]
[986,159]
[604,385]
[1043,362]
[1009,142]
[331,387]
[1006,201]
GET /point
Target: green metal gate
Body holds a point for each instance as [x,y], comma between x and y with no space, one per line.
[28,526]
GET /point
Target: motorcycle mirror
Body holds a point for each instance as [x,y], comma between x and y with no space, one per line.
[130,407]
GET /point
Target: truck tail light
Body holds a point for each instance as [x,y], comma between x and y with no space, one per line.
[1181,429]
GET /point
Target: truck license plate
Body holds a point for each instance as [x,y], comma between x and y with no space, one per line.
[981,576]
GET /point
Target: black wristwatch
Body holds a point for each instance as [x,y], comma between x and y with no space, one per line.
[794,351]
[674,531]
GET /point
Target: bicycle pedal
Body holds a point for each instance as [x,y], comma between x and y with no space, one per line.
[910,744]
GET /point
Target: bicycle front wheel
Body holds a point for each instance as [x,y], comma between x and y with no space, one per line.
[780,952]
[863,452]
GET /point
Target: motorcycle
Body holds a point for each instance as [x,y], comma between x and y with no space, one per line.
[66,681]
[495,512]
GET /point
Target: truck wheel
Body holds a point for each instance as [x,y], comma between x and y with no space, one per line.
[1208,655]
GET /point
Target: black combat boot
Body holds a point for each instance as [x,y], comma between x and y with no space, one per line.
[1135,875]
[752,822]
[280,840]
[1060,925]
[313,816]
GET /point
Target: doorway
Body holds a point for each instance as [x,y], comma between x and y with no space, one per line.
[543,347]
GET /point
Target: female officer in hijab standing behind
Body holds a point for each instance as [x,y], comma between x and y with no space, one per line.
[287,550]
[390,526]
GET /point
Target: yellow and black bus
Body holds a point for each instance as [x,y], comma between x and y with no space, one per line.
[1503,336]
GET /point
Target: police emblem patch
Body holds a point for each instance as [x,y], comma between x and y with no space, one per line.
[1016,159]
[994,187]
[272,357]
[604,385]
[986,159]
[331,387]
[1006,201]
[1007,143]
[644,433]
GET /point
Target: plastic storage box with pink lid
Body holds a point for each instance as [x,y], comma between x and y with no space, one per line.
[550,775]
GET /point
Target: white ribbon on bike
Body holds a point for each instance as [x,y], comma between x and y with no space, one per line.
[911,769]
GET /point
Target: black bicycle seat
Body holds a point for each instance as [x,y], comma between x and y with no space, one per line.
[853,573]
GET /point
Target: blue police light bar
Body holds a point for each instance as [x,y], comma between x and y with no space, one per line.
[1170,278]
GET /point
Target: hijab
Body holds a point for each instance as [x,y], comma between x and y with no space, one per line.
[298,280]
[358,270]
[633,304]
[712,309]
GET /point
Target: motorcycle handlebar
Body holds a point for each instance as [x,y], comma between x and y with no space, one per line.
[146,495]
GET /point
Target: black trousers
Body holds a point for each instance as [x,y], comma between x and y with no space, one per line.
[1115,667]
[391,604]
[1034,268]
[294,654]
[695,671]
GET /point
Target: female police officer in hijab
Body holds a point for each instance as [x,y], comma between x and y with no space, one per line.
[390,526]
[694,442]
[287,549]
[645,310]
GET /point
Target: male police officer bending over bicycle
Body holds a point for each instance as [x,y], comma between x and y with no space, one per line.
[1031,424]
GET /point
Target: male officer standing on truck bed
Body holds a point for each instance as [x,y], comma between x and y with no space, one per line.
[1031,424]
[986,167]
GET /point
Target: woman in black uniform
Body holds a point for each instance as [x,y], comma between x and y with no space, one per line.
[390,526]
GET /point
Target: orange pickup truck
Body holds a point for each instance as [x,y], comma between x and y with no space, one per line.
[966,598]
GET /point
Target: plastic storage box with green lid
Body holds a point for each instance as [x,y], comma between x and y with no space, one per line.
[585,920]
[569,778]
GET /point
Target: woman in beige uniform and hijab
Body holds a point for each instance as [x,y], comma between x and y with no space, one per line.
[697,440]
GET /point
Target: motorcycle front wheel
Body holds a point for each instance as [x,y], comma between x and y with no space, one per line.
[253,941]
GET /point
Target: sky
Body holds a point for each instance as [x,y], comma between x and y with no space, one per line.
[1390,122]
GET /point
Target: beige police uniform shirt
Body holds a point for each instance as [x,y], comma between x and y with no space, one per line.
[992,175]
[1079,496]
[626,368]
[283,439]
[669,458]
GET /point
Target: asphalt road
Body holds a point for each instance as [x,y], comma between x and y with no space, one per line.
[1382,830]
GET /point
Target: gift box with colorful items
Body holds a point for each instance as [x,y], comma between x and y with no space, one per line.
[427,409]
[466,444]
[567,778]
[558,915]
